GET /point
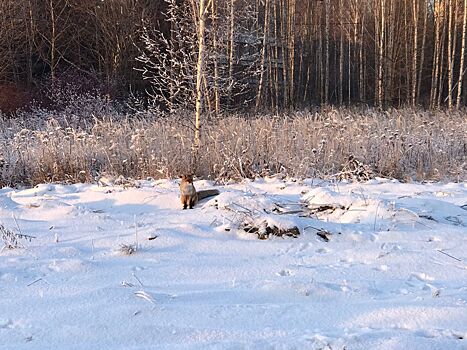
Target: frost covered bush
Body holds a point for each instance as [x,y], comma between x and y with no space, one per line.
[47,146]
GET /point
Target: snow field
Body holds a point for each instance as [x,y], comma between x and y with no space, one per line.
[393,274]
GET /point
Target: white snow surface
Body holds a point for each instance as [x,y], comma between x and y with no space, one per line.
[393,274]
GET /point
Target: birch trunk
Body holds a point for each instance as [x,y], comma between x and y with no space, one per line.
[291,37]
[231,47]
[381,54]
[415,9]
[263,55]
[462,54]
[341,57]
[31,30]
[217,100]
[200,73]
[276,58]
[436,53]
[326,45]
[283,22]
[52,41]
[450,52]
[361,76]
[442,49]
[422,51]
[390,51]
[408,74]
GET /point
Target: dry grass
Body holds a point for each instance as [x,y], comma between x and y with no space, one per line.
[405,144]
[11,239]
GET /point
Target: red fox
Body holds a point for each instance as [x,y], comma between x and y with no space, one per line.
[188,194]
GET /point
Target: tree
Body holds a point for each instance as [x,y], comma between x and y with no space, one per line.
[168,60]
[200,71]
[462,56]
[263,55]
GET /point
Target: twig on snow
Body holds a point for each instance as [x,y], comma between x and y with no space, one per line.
[37,280]
[453,257]
[136,278]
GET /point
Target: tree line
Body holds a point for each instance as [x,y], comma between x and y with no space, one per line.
[218,55]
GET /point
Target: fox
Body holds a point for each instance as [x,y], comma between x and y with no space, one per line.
[188,194]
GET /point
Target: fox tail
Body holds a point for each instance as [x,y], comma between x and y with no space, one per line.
[206,193]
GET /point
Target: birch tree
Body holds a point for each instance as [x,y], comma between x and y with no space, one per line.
[415,13]
[263,55]
[451,49]
[462,56]
[381,27]
[200,71]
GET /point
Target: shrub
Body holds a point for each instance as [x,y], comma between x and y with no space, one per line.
[406,144]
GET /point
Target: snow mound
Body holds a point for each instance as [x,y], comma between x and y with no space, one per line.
[325,196]
[350,207]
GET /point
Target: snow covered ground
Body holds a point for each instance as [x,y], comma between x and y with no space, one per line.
[392,275]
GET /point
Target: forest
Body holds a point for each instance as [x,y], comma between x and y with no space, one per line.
[232,89]
[267,54]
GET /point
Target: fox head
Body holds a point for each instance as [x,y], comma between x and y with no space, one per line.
[187,178]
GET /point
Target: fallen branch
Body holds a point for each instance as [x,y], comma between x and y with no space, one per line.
[320,232]
[428,217]
[328,208]
[353,169]
[454,220]
[453,257]
[35,281]
[323,234]
[264,231]
[288,212]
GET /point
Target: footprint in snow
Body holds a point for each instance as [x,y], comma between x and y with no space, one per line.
[422,277]
[303,247]
[381,268]
[10,324]
[322,250]
[6,323]
[284,273]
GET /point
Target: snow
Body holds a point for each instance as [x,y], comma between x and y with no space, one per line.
[393,274]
